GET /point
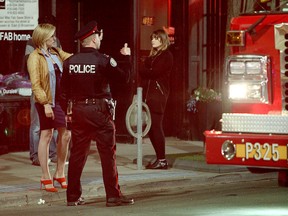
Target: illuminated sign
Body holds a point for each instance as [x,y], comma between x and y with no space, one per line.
[148,20]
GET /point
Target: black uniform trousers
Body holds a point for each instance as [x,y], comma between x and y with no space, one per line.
[88,122]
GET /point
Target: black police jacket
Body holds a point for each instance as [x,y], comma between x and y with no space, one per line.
[86,75]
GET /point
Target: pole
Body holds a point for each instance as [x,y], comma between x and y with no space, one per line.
[139,128]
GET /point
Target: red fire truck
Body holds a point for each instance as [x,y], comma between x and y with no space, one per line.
[255,130]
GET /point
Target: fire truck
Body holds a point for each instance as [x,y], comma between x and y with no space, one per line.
[254,130]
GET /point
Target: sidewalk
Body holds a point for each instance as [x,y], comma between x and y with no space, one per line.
[20,181]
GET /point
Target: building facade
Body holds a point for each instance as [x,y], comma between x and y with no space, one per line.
[197,30]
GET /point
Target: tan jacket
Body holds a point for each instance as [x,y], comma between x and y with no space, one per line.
[39,74]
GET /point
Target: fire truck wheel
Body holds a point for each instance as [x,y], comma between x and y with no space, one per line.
[283,178]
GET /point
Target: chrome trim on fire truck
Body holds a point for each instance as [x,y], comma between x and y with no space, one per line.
[280,35]
[254,123]
[228,149]
[253,85]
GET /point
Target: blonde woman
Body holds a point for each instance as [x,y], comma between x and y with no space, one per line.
[45,70]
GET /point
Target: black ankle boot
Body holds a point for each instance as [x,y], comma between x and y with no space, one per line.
[158,164]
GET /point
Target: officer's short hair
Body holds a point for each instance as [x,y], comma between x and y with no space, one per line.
[87,40]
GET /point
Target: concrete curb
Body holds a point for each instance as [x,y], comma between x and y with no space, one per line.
[19,185]
[204,167]
[136,185]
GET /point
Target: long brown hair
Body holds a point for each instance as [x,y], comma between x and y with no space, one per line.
[162,35]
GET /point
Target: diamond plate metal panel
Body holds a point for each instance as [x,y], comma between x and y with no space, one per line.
[255,123]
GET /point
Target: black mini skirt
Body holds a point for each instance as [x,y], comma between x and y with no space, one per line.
[59,120]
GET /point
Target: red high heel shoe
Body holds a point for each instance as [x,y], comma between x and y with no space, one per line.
[61,181]
[47,182]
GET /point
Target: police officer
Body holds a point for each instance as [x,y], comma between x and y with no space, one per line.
[85,83]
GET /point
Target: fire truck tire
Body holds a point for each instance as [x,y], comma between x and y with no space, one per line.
[283,178]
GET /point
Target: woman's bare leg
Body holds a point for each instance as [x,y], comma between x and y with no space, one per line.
[43,153]
[63,140]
